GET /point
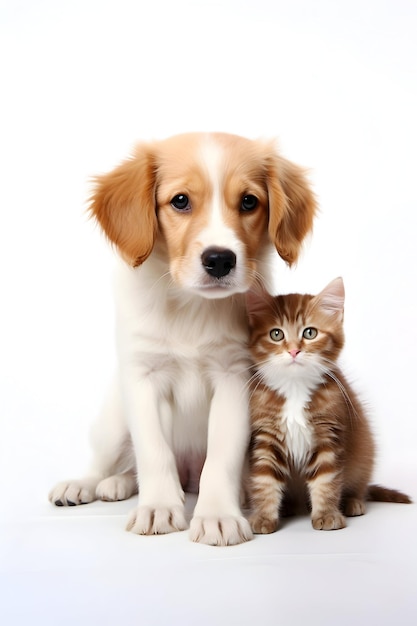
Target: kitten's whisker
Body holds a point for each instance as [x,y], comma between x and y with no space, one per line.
[331,374]
[253,383]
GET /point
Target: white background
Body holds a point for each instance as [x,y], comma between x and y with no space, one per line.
[81,82]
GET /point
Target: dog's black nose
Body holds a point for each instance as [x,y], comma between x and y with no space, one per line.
[218,262]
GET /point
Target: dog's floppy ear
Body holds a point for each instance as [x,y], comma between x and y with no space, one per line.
[292,207]
[123,203]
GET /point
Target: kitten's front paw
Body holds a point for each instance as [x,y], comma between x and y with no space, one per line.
[263,525]
[220,531]
[71,493]
[146,520]
[329,521]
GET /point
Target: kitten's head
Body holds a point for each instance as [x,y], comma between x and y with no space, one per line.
[296,336]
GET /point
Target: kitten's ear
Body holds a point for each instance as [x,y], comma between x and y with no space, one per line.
[332,298]
[256,299]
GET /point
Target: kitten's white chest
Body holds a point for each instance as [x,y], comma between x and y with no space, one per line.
[299,435]
[296,386]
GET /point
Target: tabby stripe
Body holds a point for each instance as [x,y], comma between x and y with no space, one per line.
[323,478]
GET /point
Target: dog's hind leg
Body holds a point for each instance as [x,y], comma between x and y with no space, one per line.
[112,472]
[117,487]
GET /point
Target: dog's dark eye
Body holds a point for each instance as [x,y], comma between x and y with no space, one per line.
[180,202]
[249,203]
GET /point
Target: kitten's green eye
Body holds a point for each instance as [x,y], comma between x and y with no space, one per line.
[276,334]
[310,333]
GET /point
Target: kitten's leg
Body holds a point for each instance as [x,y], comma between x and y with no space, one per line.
[356,480]
[354,498]
[353,505]
[267,484]
[324,484]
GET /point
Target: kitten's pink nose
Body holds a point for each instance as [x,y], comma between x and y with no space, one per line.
[294,353]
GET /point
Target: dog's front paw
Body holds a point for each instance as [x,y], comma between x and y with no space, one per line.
[146,520]
[220,531]
[71,493]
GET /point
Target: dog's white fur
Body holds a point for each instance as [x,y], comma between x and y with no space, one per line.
[180,402]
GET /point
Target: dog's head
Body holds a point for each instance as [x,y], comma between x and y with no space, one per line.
[212,202]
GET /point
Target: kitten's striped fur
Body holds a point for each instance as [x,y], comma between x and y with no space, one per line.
[308,425]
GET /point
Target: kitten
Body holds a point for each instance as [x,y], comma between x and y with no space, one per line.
[308,425]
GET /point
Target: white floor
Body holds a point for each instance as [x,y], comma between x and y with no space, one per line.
[79,566]
[82,81]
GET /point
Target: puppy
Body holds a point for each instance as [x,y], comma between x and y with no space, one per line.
[195,219]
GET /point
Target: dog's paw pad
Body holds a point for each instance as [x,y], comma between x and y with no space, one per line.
[147,520]
[71,493]
[117,487]
[220,531]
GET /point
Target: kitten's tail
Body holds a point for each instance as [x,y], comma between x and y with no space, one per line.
[376,493]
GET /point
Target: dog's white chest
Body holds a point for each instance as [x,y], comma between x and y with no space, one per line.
[299,436]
